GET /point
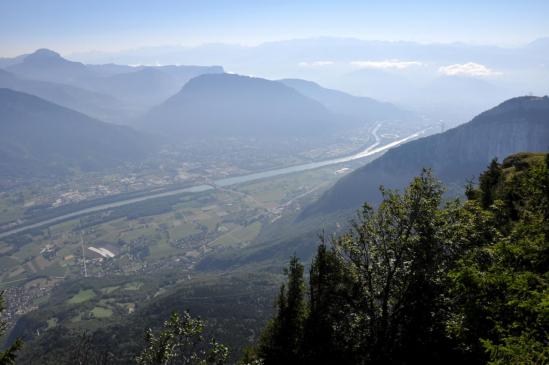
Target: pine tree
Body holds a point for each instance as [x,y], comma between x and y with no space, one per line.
[500,285]
[489,181]
[330,327]
[281,341]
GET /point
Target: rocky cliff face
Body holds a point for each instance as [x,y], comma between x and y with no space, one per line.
[517,125]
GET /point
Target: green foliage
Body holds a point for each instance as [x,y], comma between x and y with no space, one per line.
[7,356]
[250,356]
[378,295]
[489,182]
[235,308]
[331,322]
[181,342]
[418,280]
[501,285]
[523,349]
[401,254]
[422,281]
[282,340]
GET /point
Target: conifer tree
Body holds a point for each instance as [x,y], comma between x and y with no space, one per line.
[488,182]
[281,342]
[330,327]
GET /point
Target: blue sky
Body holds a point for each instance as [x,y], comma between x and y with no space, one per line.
[82,25]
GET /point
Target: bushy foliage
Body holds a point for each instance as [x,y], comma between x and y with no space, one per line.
[501,286]
[282,341]
[420,280]
[181,341]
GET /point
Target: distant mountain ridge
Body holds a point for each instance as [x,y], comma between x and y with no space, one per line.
[456,156]
[517,125]
[148,85]
[399,72]
[42,139]
[47,65]
[231,105]
[97,105]
[360,108]
[140,86]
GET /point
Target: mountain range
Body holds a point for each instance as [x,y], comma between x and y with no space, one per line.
[42,139]
[456,157]
[517,125]
[140,87]
[398,72]
[359,108]
[230,105]
[94,104]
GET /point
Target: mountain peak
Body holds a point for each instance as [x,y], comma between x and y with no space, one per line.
[516,125]
[540,43]
[43,53]
[527,100]
[47,65]
[229,105]
[231,85]
[520,104]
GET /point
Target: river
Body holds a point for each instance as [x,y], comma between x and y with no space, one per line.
[371,150]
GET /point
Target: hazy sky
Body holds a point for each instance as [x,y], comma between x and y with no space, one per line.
[82,25]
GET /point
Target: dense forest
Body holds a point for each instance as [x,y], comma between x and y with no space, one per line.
[423,280]
[420,279]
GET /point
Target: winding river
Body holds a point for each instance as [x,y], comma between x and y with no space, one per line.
[371,150]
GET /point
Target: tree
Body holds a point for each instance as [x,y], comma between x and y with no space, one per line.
[401,253]
[424,281]
[281,341]
[181,341]
[500,286]
[378,296]
[330,329]
[7,357]
[85,352]
[489,181]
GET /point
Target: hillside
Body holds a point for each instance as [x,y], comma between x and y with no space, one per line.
[457,155]
[458,283]
[361,109]
[140,86]
[147,85]
[39,138]
[97,105]
[226,105]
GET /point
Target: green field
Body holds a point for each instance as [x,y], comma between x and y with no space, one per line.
[101,312]
[82,296]
[110,289]
[133,286]
[186,226]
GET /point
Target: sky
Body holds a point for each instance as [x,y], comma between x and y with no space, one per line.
[109,25]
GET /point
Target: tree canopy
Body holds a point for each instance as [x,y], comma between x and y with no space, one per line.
[424,280]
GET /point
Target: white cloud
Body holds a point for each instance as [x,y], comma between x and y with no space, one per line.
[387,64]
[467,69]
[316,64]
